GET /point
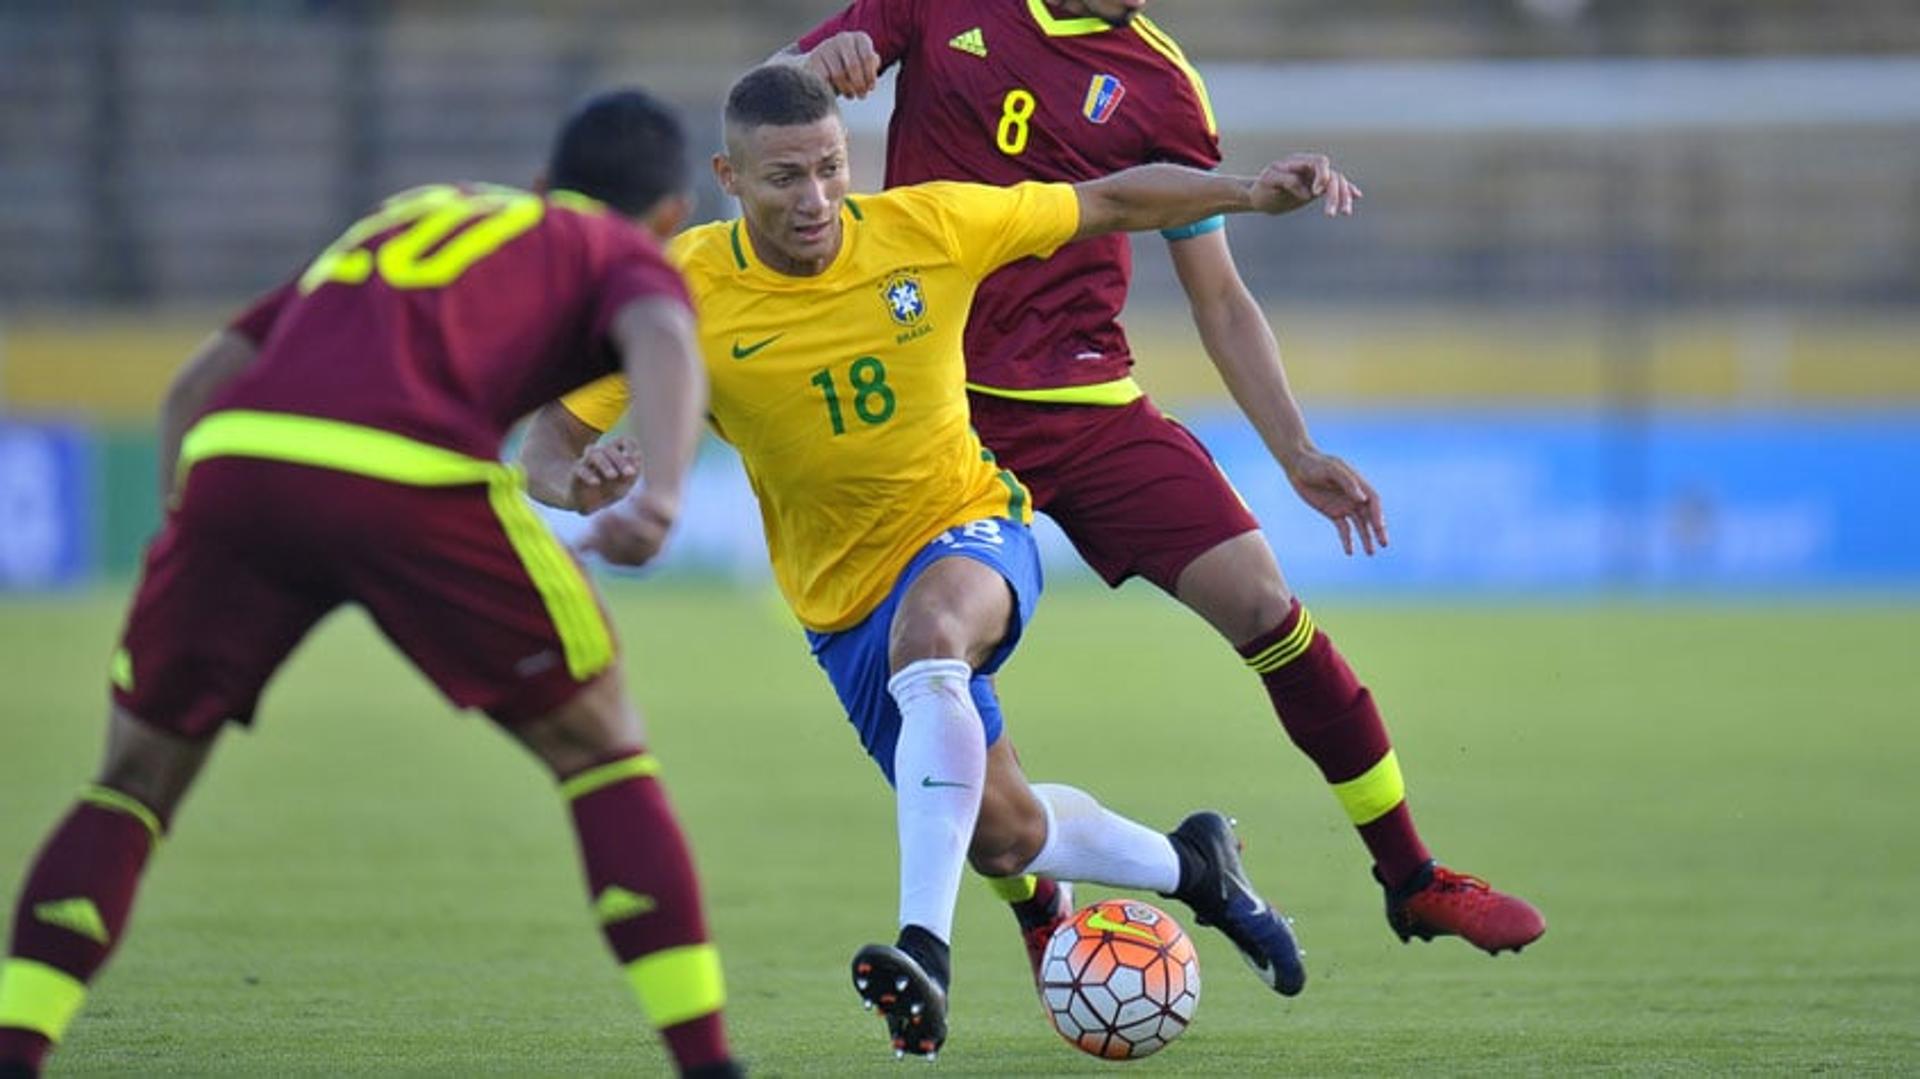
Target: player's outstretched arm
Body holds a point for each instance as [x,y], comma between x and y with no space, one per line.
[1165,196]
[661,357]
[215,363]
[565,467]
[1242,347]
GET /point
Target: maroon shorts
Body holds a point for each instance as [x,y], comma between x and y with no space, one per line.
[259,551]
[1136,493]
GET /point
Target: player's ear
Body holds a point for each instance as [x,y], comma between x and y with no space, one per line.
[668,214]
[723,174]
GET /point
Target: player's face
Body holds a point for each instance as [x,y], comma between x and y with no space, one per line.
[790,182]
[1112,12]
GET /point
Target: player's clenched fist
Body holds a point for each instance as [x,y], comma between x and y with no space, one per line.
[604,473]
[1298,179]
[631,532]
[848,62]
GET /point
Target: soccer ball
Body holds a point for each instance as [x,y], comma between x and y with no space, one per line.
[1120,980]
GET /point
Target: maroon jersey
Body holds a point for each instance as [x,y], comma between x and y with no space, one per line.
[1002,91]
[450,313]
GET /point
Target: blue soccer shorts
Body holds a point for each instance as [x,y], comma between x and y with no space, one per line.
[855,659]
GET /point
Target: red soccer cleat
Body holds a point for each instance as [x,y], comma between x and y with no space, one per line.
[1438,902]
[1036,932]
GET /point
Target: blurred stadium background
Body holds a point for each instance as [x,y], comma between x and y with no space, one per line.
[1634,299]
[1627,333]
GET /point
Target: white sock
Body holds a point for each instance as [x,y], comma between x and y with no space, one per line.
[1086,841]
[939,771]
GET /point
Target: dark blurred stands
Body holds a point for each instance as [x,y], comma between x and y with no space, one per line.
[171,152]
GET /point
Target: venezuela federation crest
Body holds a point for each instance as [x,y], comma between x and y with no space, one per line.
[1103,96]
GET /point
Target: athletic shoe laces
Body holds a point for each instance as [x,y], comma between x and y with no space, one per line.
[1448,880]
[1467,895]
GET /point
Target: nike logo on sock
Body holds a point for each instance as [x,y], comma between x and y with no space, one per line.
[929,781]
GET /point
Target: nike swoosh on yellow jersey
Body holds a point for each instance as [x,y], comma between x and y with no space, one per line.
[1098,920]
[742,353]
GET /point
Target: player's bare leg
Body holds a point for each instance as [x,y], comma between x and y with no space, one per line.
[78,895]
[1064,833]
[639,871]
[950,620]
[1237,587]
[1010,833]
[1199,863]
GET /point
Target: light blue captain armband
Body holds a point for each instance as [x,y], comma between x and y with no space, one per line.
[1198,228]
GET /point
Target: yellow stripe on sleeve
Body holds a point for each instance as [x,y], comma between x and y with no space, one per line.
[678,984]
[1373,793]
[36,997]
[1158,40]
[606,775]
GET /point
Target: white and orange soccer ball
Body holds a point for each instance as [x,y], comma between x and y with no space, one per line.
[1120,980]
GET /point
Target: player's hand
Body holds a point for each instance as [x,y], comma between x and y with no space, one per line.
[1343,496]
[1298,179]
[631,531]
[603,474]
[848,61]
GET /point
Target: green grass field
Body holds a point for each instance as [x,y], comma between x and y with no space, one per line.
[1714,805]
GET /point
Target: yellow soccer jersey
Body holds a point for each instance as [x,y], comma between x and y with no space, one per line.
[845,392]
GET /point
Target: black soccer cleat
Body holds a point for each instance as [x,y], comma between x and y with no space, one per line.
[911,1001]
[1224,898]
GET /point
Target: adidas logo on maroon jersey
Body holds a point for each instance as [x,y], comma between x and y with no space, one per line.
[973,41]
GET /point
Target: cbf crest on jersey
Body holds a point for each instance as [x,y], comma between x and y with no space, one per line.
[1103,96]
[906,303]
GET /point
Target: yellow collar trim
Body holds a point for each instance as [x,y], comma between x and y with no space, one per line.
[748,260]
[574,200]
[1055,26]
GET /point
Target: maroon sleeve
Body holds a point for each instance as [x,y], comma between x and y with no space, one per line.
[892,24]
[1181,136]
[256,322]
[637,271]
